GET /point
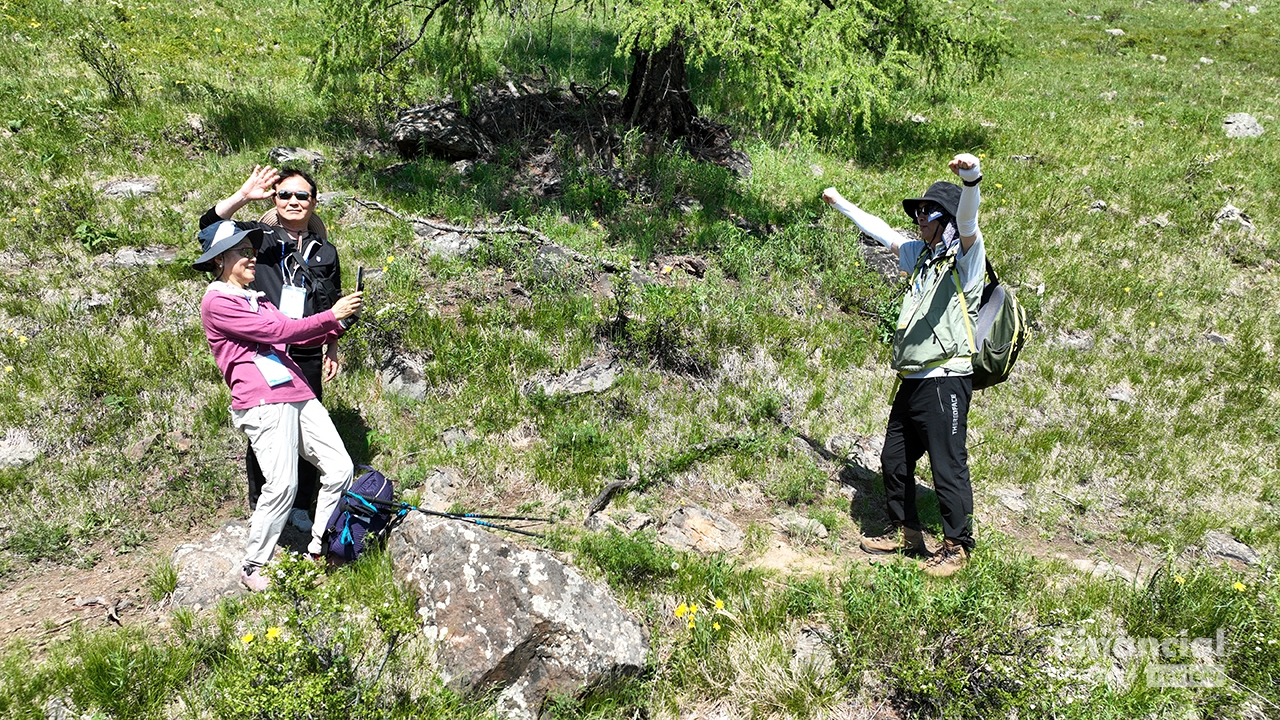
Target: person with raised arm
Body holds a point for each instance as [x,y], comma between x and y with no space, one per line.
[932,349]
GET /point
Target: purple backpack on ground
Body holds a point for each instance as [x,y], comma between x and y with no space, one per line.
[363,516]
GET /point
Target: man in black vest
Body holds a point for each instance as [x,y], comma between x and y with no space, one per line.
[299,273]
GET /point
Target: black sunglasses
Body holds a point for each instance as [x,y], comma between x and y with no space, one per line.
[302,195]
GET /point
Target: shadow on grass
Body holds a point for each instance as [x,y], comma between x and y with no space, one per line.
[894,143]
[354,433]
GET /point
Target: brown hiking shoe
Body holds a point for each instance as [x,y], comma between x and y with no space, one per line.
[899,538]
[947,561]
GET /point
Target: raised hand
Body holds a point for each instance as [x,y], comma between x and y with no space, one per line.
[966,166]
[260,183]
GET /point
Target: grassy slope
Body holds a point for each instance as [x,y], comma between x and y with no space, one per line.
[1195,450]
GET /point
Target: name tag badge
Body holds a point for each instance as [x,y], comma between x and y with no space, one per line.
[273,371]
[291,301]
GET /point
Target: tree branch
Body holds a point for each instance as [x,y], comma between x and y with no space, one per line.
[538,237]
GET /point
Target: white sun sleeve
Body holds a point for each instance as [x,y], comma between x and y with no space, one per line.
[866,222]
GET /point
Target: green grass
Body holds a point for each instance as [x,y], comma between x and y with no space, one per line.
[784,334]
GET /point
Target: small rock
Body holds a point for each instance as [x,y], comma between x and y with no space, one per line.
[446,245]
[1206,61]
[1092,17]
[803,447]
[179,441]
[811,649]
[1109,95]
[1224,5]
[403,375]
[17,449]
[130,187]
[456,438]
[1014,499]
[1232,216]
[1137,123]
[1241,125]
[1022,158]
[90,601]
[1161,221]
[919,119]
[440,130]
[1214,338]
[329,199]
[1098,206]
[1223,546]
[1121,393]
[463,167]
[1102,569]
[1159,58]
[440,489]
[1252,9]
[816,170]
[687,205]
[141,257]
[626,521]
[1115,32]
[594,376]
[139,449]
[800,527]
[210,571]
[1075,340]
[295,156]
[59,708]
[700,530]
[552,263]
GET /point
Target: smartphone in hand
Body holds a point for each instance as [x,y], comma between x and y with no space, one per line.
[360,279]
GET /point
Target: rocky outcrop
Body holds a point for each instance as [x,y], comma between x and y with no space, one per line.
[511,621]
[210,571]
[700,530]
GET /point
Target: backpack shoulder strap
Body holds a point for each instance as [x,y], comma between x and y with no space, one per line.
[964,308]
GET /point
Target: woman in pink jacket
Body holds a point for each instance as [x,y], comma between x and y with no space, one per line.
[270,402]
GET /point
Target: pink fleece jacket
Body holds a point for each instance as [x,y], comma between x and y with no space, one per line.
[239,325]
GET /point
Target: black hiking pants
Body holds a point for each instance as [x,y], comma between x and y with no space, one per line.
[311,360]
[930,415]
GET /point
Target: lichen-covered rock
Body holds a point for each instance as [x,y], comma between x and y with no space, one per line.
[440,130]
[210,571]
[700,530]
[512,621]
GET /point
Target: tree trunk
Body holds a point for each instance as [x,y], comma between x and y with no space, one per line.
[657,99]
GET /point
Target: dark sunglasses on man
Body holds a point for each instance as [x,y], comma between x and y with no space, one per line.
[929,211]
[302,195]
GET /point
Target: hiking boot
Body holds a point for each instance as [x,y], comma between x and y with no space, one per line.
[947,561]
[252,578]
[899,538]
[299,519]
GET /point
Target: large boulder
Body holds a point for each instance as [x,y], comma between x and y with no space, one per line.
[439,130]
[515,622]
[701,530]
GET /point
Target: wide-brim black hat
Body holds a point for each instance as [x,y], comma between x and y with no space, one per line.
[944,193]
[221,237]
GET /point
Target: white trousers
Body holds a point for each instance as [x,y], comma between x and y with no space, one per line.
[279,433]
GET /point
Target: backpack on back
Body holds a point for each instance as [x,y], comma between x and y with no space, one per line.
[362,516]
[999,334]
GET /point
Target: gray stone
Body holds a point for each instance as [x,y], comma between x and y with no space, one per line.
[553,263]
[1206,61]
[697,529]
[1098,206]
[1115,32]
[514,622]
[810,649]
[687,205]
[330,199]
[593,376]
[1223,546]
[1159,58]
[440,489]
[403,375]
[1014,499]
[1102,569]
[141,257]
[1214,338]
[1231,216]
[210,571]
[456,438]
[1161,221]
[919,119]
[139,449]
[816,170]
[130,187]
[440,130]
[1121,393]
[1075,340]
[803,447]
[802,528]
[627,521]
[17,449]
[1241,125]
[295,156]
[448,244]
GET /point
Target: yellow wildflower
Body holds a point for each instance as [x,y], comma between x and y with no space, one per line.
[1153,324]
[595,224]
[1239,586]
[1128,289]
[22,339]
[998,186]
[1179,579]
[692,624]
[246,638]
[8,368]
[273,633]
[35,211]
[1160,294]
[666,269]
[715,626]
[217,30]
[681,609]
[391,259]
[693,609]
[719,604]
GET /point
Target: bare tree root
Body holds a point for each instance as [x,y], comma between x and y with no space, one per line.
[538,237]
